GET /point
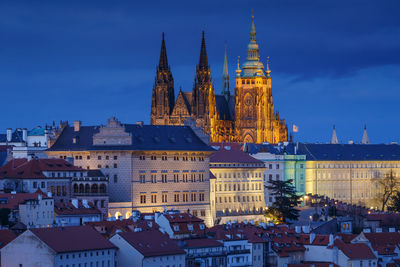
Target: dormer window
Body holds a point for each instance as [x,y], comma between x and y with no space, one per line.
[202,226]
[190,227]
[176,228]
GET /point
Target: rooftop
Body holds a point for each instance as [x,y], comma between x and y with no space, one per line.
[72,238]
[227,155]
[152,243]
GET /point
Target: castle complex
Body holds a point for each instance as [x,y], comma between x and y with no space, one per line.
[247,116]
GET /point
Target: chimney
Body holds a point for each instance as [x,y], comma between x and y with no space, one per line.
[74,202]
[331,239]
[9,134]
[140,123]
[77,126]
[24,134]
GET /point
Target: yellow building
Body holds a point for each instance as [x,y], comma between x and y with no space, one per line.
[238,186]
[246,116]
[351,173]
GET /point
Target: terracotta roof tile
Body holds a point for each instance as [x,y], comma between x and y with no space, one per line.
[12,201]
[202,243]
[355,250]
[72,238]
[152,243]
[233,156]
[6,236]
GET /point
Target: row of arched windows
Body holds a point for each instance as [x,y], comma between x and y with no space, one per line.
[87,189]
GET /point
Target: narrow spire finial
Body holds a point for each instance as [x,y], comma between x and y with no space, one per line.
[203,62]
[365,139]
[334,139]
[163,64]
[225,78]
[268,71]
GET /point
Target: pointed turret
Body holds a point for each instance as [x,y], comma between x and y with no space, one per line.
[253,66]
[163,99]
[203,61]
[334,139]
[163,64]
[225,79]
[365,138]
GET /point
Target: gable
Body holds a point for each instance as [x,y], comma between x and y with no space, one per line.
[182,107]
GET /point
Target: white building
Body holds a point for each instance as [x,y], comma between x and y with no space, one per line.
[59,247]
[147,249]
[32,209]
[150,167]
[238,186]
[274,170]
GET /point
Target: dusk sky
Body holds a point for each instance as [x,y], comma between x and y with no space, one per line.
[332,62]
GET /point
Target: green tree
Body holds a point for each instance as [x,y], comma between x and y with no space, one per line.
[394,202]
[286,200]
[4,214]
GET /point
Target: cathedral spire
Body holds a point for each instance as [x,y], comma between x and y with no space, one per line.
[203,62]
[163,65]
[225,78]
[253,32]
[365,138]
[334,139]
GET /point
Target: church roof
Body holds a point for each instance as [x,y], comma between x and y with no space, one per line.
[144,137]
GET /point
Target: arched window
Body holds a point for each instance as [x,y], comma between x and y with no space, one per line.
[76,188]
[87,188]
[95,188]
[102,188]
[81,189]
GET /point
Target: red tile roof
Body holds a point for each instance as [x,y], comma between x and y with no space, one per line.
[152,243]
[321,240]
[6,236]
[72,238]
[384,243]
[385,219]
[109,228]
[66,208]
[202,243]
[33,169]
[233,156]
[355,251]
[346,238]
[12,201]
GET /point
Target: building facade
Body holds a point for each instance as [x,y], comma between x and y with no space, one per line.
[246,116]
[238,187]
[150,168]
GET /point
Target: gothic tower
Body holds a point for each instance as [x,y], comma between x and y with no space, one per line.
[225,79]
[163,99]
[255,120]
[203,96]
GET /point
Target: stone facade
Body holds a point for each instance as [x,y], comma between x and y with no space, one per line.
[138,175]
[248,116]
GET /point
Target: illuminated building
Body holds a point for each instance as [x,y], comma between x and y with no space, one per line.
[149,167]
[246,116]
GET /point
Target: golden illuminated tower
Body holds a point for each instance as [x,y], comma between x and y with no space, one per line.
[255,120]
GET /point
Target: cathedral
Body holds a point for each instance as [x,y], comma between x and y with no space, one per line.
[247,116]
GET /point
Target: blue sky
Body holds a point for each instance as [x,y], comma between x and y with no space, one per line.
[332,62]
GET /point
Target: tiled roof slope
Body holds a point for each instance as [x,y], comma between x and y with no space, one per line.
[152,243]
[144,137]
[6,236]
[333,152]
[384,243]
[72,238]
[66,208]
[12,201]
[33,169]
[355,251]
[224,155]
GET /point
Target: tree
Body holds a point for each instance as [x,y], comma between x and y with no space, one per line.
[394,202]
[386,187]
[4,215]
[286,200]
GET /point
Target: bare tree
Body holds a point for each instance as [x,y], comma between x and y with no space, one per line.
[386,187]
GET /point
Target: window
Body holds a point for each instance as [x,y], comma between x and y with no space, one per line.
[154,178]
[164,158]
[270,166]
[99,157]
[142,157]
[153,198]
[185,178]
[277,177]
[34,184]
[193,197]
[115,157]
[142,178]
[176,178]
[201,197]
[153,157]
[64,190]
[203,213]
[58,191]
[142,199]
[185,197]
[115,178]
[164,197]
[176,197]
[115,165]
[277,166]
[164,178]
[107,157]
